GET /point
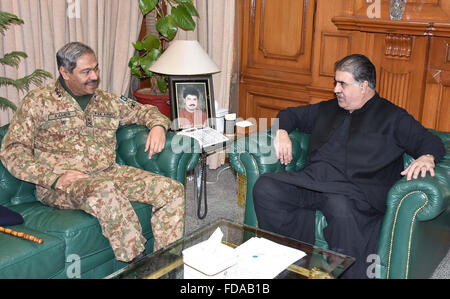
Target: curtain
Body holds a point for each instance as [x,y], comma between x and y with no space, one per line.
[108,26]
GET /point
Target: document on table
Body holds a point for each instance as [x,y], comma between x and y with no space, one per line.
[259,258]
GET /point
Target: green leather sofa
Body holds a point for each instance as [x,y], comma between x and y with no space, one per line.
[73,242]
[415,234]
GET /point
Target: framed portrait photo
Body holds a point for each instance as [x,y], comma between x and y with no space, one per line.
[192,102]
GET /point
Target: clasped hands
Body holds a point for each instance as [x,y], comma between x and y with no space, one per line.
[155,143]
[422,165]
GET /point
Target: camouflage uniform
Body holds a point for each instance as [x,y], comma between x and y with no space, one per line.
[50,134]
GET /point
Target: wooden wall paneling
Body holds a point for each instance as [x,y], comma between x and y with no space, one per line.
[401,70]
[404,55]
[330,44]
[436,111]
[276,51]
[334,46]
[289,48]
[279,46]
[264,102]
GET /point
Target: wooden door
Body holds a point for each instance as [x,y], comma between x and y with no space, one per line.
[275,55]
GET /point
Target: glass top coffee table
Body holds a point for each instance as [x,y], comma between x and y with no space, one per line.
[168,262]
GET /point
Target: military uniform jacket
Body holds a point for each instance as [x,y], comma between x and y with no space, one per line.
[50,133]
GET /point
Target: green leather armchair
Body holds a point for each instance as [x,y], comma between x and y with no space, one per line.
[415,233]
[74,245]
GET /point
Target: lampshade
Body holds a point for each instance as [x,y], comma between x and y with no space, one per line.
[184,57]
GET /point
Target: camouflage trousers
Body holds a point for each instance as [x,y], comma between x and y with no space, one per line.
[107,195]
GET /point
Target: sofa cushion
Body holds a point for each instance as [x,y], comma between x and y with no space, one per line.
[80,231]
[20,258]
[14,191]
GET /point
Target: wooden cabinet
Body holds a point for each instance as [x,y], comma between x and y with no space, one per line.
[289,47]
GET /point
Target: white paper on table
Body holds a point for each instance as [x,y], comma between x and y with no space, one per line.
[259,258]
[209,257]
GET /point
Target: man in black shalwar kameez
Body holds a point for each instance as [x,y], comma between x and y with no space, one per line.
[355,156]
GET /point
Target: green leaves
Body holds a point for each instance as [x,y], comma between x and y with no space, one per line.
[36,78]
[7,19]
[140,64]
[183,17]
[167,27]
[13,58]
[5,104]
[150,42]
[162,84]
[180,16]
[147,6]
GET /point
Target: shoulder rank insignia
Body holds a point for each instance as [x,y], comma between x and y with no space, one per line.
[124,99]
[58,92]
[132,104]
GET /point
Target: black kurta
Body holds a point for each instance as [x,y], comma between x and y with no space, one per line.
[360,152]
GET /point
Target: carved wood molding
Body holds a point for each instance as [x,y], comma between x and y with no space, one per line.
[363,24]
[395,86]
[440,29]
[398,46]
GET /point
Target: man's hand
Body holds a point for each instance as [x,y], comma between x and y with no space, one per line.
[69,177]
[421,165]
[156,140]
[283,147]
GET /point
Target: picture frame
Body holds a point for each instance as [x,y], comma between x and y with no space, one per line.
[187,113]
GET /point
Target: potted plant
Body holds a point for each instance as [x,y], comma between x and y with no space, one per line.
[153,45]
[13,59]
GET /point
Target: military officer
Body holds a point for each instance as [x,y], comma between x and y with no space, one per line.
[63,139]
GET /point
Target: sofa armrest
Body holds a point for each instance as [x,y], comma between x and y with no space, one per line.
[254,155]
[173,161]
[415,233]
[259,146]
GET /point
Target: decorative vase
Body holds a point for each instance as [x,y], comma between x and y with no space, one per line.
[145,96]
[396,9]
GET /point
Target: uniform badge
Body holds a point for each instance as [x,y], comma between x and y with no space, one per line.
[89,121]
[62,115]
[104,114]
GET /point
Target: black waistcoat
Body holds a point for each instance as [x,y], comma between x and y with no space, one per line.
[374,160]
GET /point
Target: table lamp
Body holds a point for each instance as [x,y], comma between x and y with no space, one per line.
[188,66]
[184,57]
